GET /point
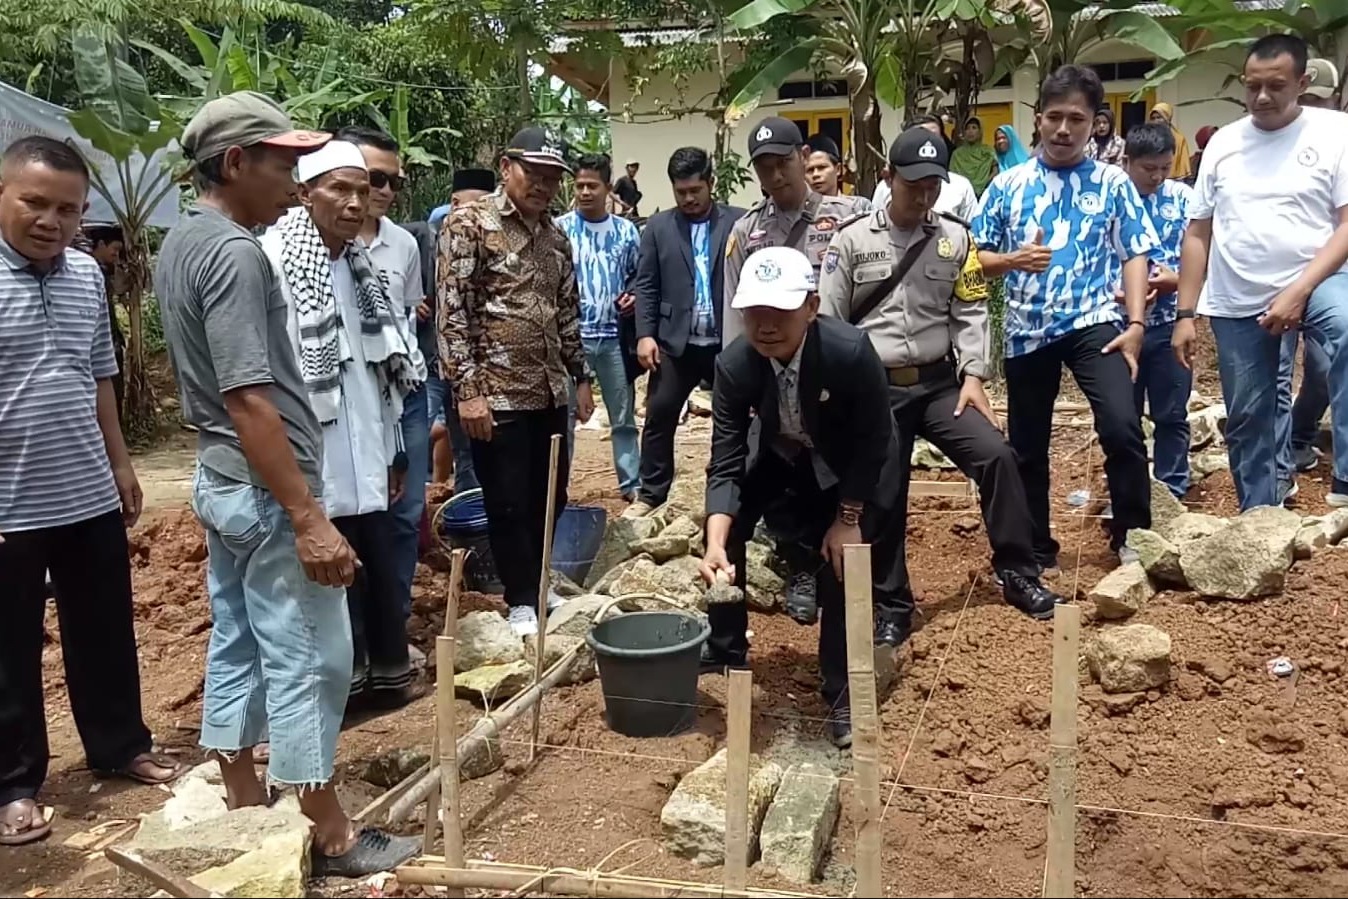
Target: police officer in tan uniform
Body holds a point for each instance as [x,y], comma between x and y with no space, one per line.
[910,279]
[792,214]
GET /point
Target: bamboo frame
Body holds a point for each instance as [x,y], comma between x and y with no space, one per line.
[156,874]
[443,683]
[447,729]
[735,873]
[482,875]
[544,585]
[967,489]
[865,718]
[1060,861]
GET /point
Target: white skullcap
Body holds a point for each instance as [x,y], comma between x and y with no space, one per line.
[337,154]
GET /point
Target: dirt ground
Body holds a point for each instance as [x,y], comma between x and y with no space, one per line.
[1229,782]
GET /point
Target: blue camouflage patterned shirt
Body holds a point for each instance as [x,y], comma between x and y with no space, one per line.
[1090,214]
[605,257]
[1168,209]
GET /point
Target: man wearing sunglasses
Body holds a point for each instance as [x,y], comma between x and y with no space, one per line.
[397,258]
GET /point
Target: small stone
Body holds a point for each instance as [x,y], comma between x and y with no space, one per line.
[576,617]
[947,743]
[699,403]
[662,547]
[582,667]
[1118,758]
[1129,659]
[1190,687]
[485,638]
[393,767]
[606,582]
[978,770]
[493,684]
[1034,711]
[1121,703]
[1274,734]
[1215,669]
[485,758]
[278,867]
[563,586]
[619,536]
[1207,425]
[1299,795]
[1237,793]
[964,527]
[799,823]
[1335,525]
[1309,539]
[692,822]
[1164,506]
[682,526]
[1247,559]
[1209,461]
[1123,592]
[1157,555]
[759,574]
[724,594]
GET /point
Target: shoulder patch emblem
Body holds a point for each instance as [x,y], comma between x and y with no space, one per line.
[971,286]
[730,245]
[945,249]
[830,260]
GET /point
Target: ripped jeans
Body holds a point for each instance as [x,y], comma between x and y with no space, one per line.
[279,661]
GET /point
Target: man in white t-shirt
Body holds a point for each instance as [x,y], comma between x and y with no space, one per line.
[957,195]
[1269,233]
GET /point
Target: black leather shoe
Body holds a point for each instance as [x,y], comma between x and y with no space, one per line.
[1029,595]
[892,633]
[840,725]
[713,662]
[802,600]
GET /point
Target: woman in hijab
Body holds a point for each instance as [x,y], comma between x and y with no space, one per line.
[1105,146]
[974,159]
[1164,113]
[1010,151]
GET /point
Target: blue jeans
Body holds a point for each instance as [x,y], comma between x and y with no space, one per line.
[1310,403]
[1163,385]
[1325,327]
[442,408]
[279,659]
[606,359]
[407,511]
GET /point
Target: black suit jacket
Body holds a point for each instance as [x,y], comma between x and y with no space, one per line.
[425,236]
[844,400]
[665,272]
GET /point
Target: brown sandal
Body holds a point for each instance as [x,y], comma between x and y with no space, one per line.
[23,821]
[132,769]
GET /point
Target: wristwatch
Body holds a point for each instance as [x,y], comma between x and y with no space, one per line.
[1184,313]
[849,515]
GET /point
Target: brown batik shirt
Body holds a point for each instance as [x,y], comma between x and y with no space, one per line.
[508,308]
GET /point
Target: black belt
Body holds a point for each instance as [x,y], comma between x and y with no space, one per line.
[921,374]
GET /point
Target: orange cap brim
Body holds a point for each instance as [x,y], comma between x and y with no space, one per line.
[304,141]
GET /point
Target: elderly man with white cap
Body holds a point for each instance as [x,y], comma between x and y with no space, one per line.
[279,659]
[826,443]
[358,361]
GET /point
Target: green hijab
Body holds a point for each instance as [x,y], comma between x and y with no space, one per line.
[975,162]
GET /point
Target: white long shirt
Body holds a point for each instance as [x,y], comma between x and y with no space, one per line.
[957,197]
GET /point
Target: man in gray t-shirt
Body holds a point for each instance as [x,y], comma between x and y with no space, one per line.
[278,568]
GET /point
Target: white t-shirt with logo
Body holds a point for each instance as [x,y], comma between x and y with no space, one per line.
[1273,198]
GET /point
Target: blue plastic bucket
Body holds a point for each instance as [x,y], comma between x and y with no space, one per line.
[576,540]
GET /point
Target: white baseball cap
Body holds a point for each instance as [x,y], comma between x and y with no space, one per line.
[778,277]
[336,154]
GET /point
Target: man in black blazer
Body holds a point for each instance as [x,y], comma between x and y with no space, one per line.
[678,317]
[826,443]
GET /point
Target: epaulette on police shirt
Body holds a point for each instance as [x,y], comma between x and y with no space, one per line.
[950,216]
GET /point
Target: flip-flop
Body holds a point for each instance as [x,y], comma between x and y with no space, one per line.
[37,829]
[157,759]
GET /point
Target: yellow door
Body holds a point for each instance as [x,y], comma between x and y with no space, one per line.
[836,124]
[993,116]
[1129,113]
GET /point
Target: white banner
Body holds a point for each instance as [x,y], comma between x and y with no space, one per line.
[22,115]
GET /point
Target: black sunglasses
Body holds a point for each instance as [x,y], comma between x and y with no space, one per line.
[379,180]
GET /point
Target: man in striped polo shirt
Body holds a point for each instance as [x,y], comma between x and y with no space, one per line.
[67,492]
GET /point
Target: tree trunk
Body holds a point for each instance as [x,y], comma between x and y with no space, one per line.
[867,141]
[140,412]
[522,72]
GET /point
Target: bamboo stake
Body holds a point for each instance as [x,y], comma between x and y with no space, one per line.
[538,881]
[1060,867]
[735,874]
[448,730]
[169,881]
[458,560]
[865,719]
[544,582]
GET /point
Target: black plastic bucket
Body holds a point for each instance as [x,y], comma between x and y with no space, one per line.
[648,668]
[464,525]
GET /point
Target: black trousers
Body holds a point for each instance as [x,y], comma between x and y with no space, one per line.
[1032,388]
[816,510]
[91,576]
[978,448]
[672,382]
[378,621]
[513,470]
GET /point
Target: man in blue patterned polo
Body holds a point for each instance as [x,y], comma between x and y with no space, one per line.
[1065,230]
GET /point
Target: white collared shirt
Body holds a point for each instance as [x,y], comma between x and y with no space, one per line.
[397,257]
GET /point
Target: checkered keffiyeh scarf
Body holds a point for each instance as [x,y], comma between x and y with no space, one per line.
[305,264]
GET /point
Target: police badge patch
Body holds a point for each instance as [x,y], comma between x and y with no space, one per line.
[945,249]
[830,261]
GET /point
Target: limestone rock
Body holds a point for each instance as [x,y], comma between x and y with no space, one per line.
[207,771]
[1158,556]
[1207,425]
[1309,538]
[493,684]
[1124,591]
[699,403]
[576,617]
[678,579]
[484,759]
[563,586]
[685,526]
[1334,526]
[1246,559]
[582,664]
[192,848]
[394,766]
[605,584]
[485,638]
[1208,461]
[688,496]
[1164,506]
[278,867]
[194,801]
[927,456]
[619,536]
[767,589]
[662,547]
[692,823]
[1130,659]
[1190,526]
[800,822]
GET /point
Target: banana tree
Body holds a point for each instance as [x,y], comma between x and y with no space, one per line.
[413,145]
[121,119]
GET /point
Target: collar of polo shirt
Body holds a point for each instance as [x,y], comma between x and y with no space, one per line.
[19,262]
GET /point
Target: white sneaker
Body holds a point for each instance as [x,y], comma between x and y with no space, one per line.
[523,621]
[1337,500]
[416,659]
[555,601]
[1128,555]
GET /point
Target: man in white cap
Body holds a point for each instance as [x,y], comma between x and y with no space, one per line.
[278,566]
[358,362]
[827,443]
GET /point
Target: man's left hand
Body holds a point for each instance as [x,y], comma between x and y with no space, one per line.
[838,536]
[128,490]
[972,394]
[1285,312]
[1128,343]
[397,482]
[584,403]
[1163,281]
[627,303]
